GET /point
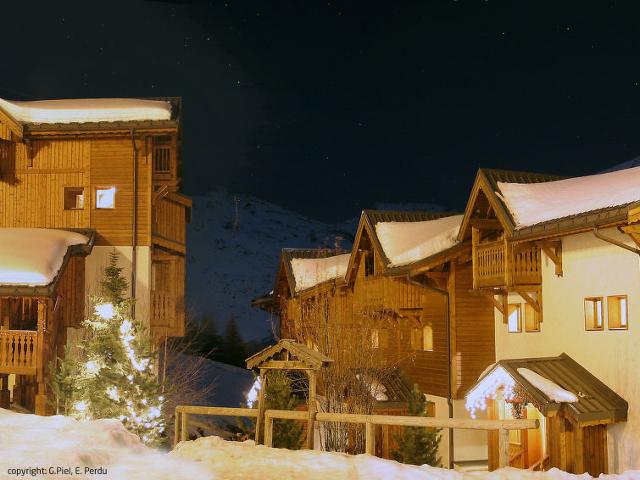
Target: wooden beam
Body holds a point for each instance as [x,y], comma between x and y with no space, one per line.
[285,365]
[554,252]
[497,304]
[486,223]
[529,299]
[633,231]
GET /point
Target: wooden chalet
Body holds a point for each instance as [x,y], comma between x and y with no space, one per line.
[109,168]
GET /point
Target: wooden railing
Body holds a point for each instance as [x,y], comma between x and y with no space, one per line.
[169,224]
[18,351]
[163,307]
[369,421]
[385,293]
[540,465]
[499,264]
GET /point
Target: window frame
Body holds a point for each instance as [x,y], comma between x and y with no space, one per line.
[69,188]
[95,196]
[595,302]
[626,307]
[428,327]
[518,307]
[536,319]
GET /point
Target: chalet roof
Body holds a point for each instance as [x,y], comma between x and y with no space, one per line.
[33,259]
[369,221]
[43,116]
[596,401]
[288,258]
[310,358]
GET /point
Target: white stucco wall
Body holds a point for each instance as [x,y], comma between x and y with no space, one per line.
[591,267]
[99,259]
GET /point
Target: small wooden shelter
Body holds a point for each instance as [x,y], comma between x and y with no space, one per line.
[288,355]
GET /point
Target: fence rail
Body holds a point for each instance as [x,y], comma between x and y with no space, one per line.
[369,421]
[18,351]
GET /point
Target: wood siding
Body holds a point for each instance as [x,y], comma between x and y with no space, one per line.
[71,292]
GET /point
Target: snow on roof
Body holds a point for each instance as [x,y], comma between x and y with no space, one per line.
[532,203]
[309,272]
[551,389]
[33,256]
[408,242]
[87,110]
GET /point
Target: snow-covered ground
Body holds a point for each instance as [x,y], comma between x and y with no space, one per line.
[29,442]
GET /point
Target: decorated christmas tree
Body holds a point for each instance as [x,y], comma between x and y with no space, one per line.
[418,445]
[113,377]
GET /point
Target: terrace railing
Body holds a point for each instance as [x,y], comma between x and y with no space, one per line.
[18,351]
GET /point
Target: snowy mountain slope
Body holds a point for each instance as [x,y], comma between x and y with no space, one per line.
[228,267]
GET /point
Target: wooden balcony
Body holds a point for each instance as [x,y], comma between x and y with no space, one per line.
[501,264]
[18,351]
[170,215]
[378,293]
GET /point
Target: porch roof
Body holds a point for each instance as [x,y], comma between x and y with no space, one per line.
[33,259]
[597,403]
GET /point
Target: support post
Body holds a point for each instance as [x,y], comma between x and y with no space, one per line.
[268,430]
[41,395]
[503,448]
[184,427]
[176,433]
[5,394]
[261,405]
[312,410]
[370,438]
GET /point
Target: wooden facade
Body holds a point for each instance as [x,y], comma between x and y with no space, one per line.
[118,180]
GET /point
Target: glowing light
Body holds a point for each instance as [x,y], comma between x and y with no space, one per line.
[80,406]
[252,396]
[92,367]
[105,310]
[488,388]
[112,393]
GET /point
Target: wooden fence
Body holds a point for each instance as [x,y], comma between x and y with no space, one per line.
[369,421]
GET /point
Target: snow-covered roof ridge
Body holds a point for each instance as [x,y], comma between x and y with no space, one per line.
[408,242]
[33,256]
[534,203]
[309,272]
[87,110]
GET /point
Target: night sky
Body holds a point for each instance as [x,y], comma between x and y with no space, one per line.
[327,107]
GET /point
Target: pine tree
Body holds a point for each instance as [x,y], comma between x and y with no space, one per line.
[418,445]
[233,348]
[115,377]
[279,396]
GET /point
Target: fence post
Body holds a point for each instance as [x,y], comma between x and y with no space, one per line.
[184,430]
[268,429]
[503,447]
[370,438]
[176,430]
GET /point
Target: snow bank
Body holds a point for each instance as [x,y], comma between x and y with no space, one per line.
[30,441]
[241,461]
[87,110]
[408,242]
[33,256]
[532,203]
[309,272]
[551,389]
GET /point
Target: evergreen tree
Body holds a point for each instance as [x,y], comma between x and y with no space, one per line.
[232,349]
[279,396]
[418,445]
[115,377]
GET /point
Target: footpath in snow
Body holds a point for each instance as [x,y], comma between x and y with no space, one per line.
[32,447]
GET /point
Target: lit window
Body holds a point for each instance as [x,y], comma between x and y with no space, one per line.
[73,198]
[618,313]
[106,197]
[427,338]
[531,319]
[593,313]
[515,318]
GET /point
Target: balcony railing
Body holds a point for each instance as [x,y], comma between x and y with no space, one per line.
[498,264]
[164,309]
[18,351]
[169,225]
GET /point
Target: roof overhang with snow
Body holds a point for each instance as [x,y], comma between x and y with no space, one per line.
[77,116]
[303,270]
[550,384]
[32,260]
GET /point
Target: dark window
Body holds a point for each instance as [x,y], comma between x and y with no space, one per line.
[73,198]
